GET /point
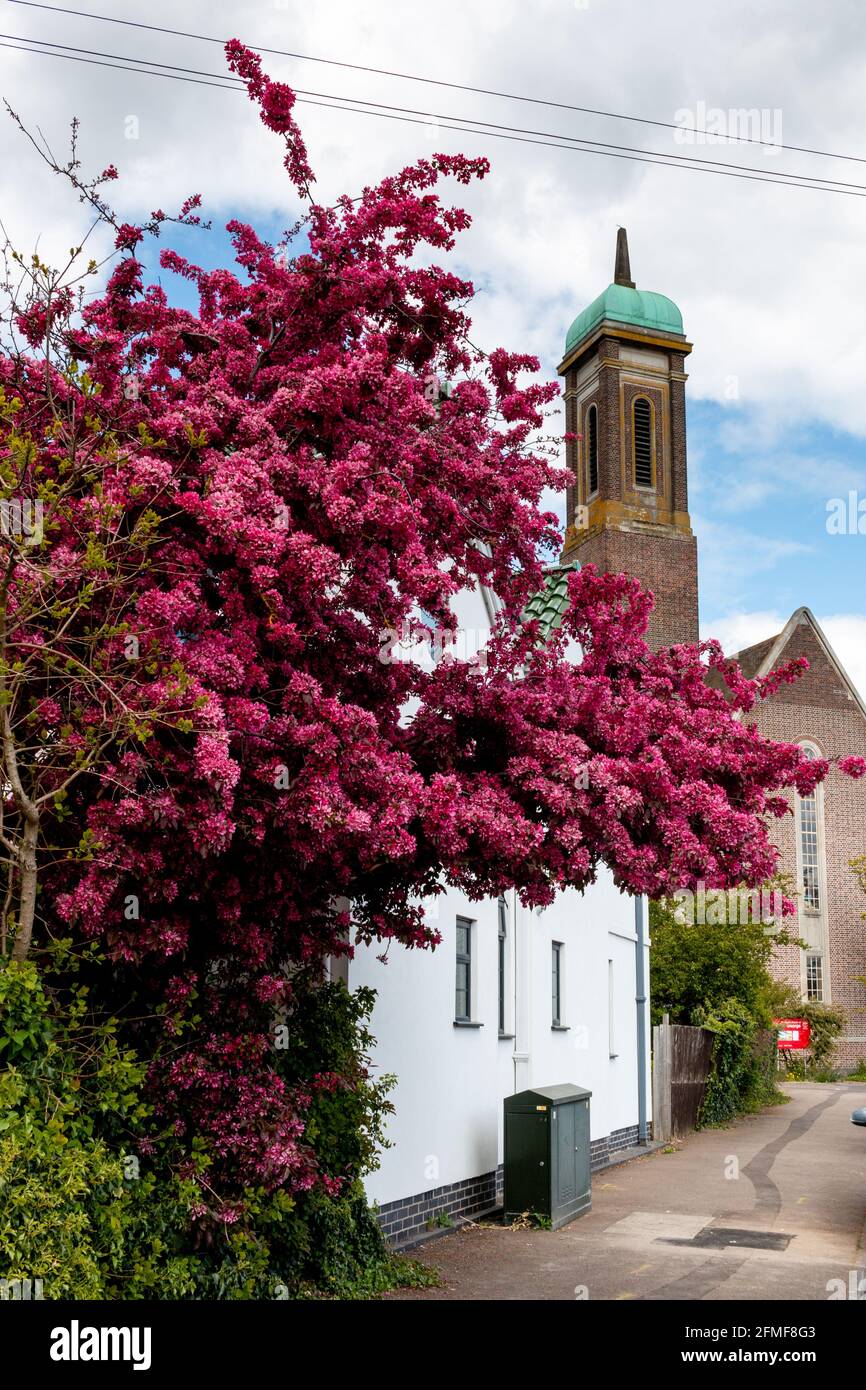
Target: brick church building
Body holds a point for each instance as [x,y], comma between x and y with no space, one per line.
[624,375]
[823,712]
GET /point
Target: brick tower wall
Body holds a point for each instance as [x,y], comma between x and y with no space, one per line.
[666,564]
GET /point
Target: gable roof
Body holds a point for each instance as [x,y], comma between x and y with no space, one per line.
[752,658]
[763,657]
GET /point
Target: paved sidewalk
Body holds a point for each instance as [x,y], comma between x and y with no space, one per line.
[773,1207]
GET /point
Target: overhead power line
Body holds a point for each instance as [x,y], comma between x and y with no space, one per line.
[444,121]
[228,80]
[430,81]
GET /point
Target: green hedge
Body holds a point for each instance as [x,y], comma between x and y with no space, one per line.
[743,1070]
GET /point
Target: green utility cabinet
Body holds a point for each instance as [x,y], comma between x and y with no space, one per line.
[547,1153]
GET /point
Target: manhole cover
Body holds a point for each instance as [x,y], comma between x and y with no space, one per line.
[721,1237]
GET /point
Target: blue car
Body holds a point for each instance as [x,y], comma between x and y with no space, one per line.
[859,1116]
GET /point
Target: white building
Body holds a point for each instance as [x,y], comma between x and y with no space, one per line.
[511,998]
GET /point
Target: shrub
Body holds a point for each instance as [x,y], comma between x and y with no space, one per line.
[99,1202]
[62,1186]
[826,1023]
[697,965]
[742,1075]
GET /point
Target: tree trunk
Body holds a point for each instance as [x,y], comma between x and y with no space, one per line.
[27,898]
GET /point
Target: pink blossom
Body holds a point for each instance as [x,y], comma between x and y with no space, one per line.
[287,492]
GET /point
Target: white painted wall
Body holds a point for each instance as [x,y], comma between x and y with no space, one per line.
[451,1080]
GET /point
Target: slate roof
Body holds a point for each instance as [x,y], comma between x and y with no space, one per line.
[752,658]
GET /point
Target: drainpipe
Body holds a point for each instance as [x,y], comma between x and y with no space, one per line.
[640,996]
[521,965]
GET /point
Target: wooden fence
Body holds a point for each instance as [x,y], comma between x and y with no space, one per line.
[682,1057]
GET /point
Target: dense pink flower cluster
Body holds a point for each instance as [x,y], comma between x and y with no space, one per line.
[312,493]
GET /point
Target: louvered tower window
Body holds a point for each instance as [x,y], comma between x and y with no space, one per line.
[592,450]
[642,442]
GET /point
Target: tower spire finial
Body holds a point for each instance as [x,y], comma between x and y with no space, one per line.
[622,269]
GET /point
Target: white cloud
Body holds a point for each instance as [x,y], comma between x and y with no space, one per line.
[736,631]
[770,280]
[846,633]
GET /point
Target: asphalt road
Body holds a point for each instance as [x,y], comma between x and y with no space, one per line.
[772,1208]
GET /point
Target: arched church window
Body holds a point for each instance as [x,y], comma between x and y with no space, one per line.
[642,441]
[592,450]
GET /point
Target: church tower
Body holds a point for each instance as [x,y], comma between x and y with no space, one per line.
[625,400]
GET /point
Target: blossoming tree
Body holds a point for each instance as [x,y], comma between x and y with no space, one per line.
[237,504]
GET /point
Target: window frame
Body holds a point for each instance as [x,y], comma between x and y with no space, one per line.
[557,951]
[611,1012]
[816,995]
[591,449]
[502,967]
[463,959]
[810,805]
[650,486]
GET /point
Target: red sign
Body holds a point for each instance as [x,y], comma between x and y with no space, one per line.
[793,1033]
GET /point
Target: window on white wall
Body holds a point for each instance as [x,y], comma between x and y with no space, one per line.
[611,1012]
[463,974]
[557,949]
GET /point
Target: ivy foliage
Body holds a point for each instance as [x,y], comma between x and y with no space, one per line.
[742,1076]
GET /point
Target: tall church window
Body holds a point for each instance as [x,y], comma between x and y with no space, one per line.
[642,441]
[809,847]
[592,450]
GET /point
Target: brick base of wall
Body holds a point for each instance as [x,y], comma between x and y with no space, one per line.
[849,1054]
[410,1217]
[601,1151]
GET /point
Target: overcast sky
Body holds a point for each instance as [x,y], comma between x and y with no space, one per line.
[771,280]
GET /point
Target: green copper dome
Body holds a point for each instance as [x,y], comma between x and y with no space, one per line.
[625,305]
[622,302]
